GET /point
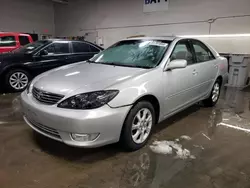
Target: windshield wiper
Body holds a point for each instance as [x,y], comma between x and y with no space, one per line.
[104,63]
[123,65]
[119,64]
[139,66]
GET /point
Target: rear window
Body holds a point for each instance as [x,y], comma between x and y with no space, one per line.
[80,47]
[23,40]
[94,49]
[7,41]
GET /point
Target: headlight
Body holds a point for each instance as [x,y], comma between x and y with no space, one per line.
[90,100]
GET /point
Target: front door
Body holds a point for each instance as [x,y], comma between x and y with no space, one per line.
[57,54]
[180,88]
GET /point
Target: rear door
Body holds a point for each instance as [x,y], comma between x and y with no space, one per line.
[83,51]
[208,66]
[58,55]
[180,86]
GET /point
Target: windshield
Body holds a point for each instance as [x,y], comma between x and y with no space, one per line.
[134,53]
[29,48]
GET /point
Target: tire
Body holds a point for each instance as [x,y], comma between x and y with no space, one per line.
[145,125]
[210,101]
[22,84]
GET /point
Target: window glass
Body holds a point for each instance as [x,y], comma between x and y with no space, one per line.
[93,49]
[182,51]
[31,47]
[51,49]
[58,48]
[134,53]
[23,40]
[7,41]
[202,52]
[79,47]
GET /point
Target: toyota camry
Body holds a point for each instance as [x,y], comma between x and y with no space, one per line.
[124,91]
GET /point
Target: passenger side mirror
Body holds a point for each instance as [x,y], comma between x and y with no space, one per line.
[177,64]
[43,52]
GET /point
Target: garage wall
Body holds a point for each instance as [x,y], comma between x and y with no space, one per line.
[112,20]
[27,16]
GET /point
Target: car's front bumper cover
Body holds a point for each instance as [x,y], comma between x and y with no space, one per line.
[58,123]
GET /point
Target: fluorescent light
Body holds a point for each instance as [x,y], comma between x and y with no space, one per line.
[235,127]
[217,35]
[206,136]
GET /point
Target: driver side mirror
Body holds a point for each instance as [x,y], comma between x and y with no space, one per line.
[43,52]
[177,64]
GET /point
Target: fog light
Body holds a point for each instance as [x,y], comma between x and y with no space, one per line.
[84,137]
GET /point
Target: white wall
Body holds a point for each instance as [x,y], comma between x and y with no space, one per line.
[117,19]
[27,16]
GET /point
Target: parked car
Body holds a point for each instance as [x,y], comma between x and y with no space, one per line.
[10,41]
[20,66]
[120,94]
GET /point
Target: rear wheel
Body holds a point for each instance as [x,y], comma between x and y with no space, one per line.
[17,80]
[214,96]
[138,126]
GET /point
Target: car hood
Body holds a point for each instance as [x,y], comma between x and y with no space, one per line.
[84,77]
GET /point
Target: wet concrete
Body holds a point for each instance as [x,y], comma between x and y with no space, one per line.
[220,143]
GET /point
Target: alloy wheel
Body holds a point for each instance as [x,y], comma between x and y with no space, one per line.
[18,80]
[141,125]
[215,92]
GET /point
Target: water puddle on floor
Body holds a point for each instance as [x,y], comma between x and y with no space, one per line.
[199,147]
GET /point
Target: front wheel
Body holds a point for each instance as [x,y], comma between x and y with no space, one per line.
[17,80]
[214,96]
[138,126]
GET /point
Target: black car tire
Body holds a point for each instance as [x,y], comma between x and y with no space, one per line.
[209,102]
[126,135]
[8,76]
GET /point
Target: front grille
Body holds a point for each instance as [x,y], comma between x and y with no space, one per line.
[47,130]
[46,97]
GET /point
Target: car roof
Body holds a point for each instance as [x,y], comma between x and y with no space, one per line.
[13,33]
[170,38]
[68,40]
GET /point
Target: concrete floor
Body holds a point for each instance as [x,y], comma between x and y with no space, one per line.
[220,142]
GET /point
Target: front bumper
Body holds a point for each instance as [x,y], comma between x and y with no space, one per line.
[58,123]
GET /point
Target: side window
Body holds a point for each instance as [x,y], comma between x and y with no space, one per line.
[94,49]
[50,49]
[80,47]
[58,48]
[7,41]
[23,40]
[202,52]
[182,51]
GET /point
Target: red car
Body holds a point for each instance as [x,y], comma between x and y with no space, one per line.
[10,41]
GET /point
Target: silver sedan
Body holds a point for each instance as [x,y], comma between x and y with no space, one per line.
[124,91]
